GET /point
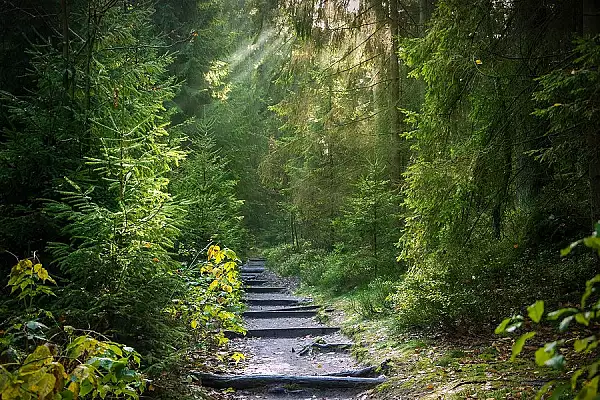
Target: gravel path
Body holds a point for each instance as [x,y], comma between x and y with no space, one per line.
[281,355]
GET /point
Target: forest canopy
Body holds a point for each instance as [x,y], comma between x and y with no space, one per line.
[433,155]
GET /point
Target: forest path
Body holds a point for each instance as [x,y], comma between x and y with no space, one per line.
[289,353]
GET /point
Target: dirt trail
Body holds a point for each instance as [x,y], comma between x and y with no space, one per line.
[284,355]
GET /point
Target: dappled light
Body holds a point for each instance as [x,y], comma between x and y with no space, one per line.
[342,200]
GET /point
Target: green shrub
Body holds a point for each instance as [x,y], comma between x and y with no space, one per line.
[373,301]
[584,378]
[66,366]
[453,289]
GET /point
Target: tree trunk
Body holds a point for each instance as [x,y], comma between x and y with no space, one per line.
[252,381]
[591,27]
[399,157]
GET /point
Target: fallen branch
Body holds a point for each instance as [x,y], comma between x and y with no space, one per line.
[359,373]
[324,347]
[253,381]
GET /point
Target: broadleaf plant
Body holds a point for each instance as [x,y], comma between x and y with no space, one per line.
[583,380]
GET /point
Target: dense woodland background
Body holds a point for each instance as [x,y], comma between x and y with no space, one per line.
[430,157]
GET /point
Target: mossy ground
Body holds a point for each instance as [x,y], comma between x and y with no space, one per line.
[437,365]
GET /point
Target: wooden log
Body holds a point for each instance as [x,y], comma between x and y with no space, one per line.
[297,308]
[313,381]
[252,270]
[264,289]
[324,347]
[280,314]
[359,373]
[284,332]
[273,302]
[254,282]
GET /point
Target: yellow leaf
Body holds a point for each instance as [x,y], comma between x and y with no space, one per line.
[237,357]
[74,388]
[478,62]
[223,340]
[41,356]
[227,288]
[37,268]
[43,274]
[194,324]
[213,285]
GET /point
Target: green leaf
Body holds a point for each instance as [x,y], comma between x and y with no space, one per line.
[545,353]
[564,252]
[582,344]
[564,324]
[541,356]
[576,376]
[554,315]
[230,254]
[41,356]
[502,327]
[66,395]
[86,387]
[593,369]
[519,343]
[583,318]
[589,390]
[592,242]
[556,362]
[536,310]
[558,391]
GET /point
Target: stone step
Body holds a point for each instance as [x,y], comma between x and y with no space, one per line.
[280,314]
[252,270]
[313,381]
[264,289]
[274,302]
[284,332]
[297,308]
[254,282]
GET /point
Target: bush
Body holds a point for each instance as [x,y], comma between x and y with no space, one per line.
[584,379]
[452,289]
[76,366]
[374,300]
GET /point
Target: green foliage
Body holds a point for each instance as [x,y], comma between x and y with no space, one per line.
[374,300]
[208,191]
[333,272]
[584,378]
[212,301]
[25,278]
[479,205]
[86,368]
[83,367]
[117,217]
[368,227]
[567,99]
